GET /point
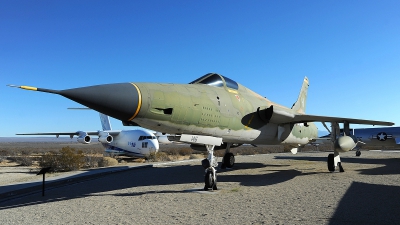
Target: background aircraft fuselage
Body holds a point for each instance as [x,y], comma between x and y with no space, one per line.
[379,136]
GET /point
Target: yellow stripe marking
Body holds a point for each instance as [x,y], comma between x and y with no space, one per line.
[248,124]
[28,88]
[232,91]
[139,102]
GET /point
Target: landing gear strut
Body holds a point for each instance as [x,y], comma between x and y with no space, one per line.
[334,161]
[209,164]
[229,159]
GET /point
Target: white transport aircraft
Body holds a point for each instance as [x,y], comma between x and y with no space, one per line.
[137,143]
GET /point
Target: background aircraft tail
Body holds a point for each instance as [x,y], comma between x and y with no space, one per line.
[105,122]
[300,105]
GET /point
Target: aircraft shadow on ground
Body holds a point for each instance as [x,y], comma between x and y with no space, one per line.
[368,204]
[390,165]
[155,176]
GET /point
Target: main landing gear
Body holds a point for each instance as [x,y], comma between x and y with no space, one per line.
[209,164]
[229,159]
[334,161]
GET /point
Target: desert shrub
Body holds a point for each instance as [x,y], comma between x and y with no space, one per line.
[171,151]
[196,156]
[185,151]
[23,160]
[67,159]
[8,152]
[219,153]
[109,154]
[3,158]
[23,157]
[26,151]
[107,161]
[157,157]
[92,161]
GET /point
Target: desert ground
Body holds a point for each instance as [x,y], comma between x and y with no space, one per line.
[272,188]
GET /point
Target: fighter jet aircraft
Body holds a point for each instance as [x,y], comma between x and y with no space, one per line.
[376,137]
[213,110]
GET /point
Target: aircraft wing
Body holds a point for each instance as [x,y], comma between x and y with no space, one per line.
[314,118]
[279,116]
[53,133]
[71,134]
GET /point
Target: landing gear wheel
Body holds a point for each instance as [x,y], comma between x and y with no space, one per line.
[358,153]
[331,163]
[229,160]
[209,181]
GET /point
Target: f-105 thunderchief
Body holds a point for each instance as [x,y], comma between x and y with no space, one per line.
[212,112]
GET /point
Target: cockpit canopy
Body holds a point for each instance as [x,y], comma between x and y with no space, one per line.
[141,138]
[216,80]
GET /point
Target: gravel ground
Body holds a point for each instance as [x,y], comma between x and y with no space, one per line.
[262,189]
[10,175]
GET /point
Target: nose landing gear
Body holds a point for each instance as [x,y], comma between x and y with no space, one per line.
[210,179]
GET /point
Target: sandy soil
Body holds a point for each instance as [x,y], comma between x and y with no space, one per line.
[277,188]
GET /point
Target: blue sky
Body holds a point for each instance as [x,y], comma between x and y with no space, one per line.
[350,51]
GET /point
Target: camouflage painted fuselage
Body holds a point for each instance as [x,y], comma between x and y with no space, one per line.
[217,111]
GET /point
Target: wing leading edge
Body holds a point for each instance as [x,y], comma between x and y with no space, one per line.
[111,132]
[315,118]
[278,116]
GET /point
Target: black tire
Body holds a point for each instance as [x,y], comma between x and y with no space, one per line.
[229,160]
[331,162]
[205,163]
[358,153]
[209,180]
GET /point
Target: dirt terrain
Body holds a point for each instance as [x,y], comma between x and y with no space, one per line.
[275,188]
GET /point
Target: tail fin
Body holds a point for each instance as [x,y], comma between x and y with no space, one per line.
[300,105]
[105,122]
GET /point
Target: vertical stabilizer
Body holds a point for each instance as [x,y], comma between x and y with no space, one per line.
[105,122]
[300,105]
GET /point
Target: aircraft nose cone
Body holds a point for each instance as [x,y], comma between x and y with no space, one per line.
[156,145]
[152,147]
[121,101]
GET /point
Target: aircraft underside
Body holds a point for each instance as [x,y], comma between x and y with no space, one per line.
[267,135]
